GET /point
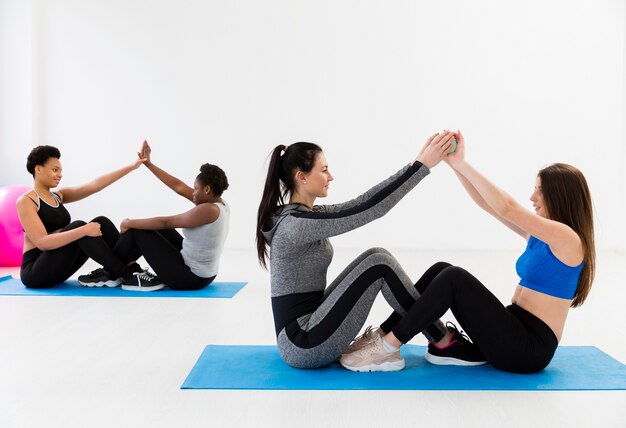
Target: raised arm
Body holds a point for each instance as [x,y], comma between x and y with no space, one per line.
[76,193]
[473,193]
[337,219]
[197,216]
[169,180]
[562,239]
[36,232]
[428,156]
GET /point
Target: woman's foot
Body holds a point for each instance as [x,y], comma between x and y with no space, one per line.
[374,356]
[98,278]
[142,281]
[459,352]
[361,340]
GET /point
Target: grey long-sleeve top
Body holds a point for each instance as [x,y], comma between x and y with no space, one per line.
[300,251]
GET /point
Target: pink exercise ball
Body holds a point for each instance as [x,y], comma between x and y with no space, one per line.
[11,233]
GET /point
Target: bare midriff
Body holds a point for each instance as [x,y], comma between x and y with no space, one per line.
[551,310]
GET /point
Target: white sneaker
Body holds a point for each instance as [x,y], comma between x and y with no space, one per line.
[373,357]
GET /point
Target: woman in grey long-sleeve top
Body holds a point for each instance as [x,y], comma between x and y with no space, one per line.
[315,323]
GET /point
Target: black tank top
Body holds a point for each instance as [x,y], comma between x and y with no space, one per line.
[53,218]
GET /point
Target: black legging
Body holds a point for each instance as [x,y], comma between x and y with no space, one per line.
[511,338]
[161,249]
[43,269]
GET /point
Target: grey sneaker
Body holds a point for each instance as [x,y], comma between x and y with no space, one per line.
[142,281]
[373,357]
[361,340]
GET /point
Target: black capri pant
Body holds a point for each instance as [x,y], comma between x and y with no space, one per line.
[511,338]
[43,269]
[161,249]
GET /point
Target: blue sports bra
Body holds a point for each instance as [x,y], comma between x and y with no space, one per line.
[541,271]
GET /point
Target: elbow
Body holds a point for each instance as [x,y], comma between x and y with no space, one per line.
[506,208]
[43,245]
[165,223]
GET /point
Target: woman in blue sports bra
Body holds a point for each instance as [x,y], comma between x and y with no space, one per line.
[54,246]
[556,271]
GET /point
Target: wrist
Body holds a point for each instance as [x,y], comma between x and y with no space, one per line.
[459,166]
[422,161]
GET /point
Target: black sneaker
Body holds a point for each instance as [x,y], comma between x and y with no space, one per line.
[142,281]
[459,352]
[98,278]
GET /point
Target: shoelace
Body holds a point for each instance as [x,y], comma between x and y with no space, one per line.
[364,335]
[144,276]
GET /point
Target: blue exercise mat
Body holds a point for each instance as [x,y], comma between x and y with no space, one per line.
[260,367]
[10,286]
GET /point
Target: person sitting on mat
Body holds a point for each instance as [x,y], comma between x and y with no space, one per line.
[56,247]
[556,270]
[315,323]
[189,263]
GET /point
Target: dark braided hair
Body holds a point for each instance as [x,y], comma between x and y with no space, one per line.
[213,176]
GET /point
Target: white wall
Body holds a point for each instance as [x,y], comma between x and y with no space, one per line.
[16,88]
[529,83]
[622,179]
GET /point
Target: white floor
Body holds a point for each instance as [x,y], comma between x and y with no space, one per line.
[101,362]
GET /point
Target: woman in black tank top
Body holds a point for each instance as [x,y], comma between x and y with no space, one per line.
[54,246]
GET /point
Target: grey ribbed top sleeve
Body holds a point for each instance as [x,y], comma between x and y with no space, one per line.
[330,220]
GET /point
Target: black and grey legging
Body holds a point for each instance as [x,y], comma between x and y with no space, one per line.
[43,269]
[317,339]
[511,338]
[161,249]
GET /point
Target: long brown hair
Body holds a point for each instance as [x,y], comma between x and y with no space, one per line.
[285,161]
[568,201]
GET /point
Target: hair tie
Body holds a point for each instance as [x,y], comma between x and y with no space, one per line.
[285,147]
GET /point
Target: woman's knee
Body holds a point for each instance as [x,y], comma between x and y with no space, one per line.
[451,271]
[458,278]
[439,267]
[102,220]
[75,225]
[375,250]
[380,256]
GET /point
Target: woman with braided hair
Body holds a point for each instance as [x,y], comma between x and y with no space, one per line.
[183,262]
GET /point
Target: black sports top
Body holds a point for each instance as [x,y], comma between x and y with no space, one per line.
[53,218]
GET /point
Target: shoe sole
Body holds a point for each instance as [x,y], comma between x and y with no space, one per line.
[144,288]
[449,361]
[110,284]
[384,367]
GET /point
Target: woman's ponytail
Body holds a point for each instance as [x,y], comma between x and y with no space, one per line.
[271,197]
[285,161]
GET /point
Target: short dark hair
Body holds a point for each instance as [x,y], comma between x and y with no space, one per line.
[213,176]
[39,156]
